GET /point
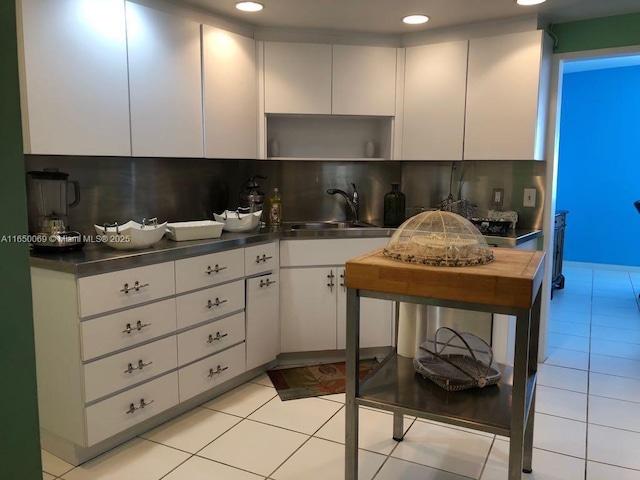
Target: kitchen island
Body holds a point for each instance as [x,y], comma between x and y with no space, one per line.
[511,284]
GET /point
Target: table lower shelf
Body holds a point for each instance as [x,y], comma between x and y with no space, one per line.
[395,386]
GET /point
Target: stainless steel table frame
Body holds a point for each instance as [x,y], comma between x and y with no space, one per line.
[505,409]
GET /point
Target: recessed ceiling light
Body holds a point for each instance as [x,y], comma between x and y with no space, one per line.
[415,19]
[529,2]
[249,6]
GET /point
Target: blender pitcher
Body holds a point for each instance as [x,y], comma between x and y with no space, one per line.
[47,202]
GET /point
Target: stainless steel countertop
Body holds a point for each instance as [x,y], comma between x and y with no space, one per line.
[97,258]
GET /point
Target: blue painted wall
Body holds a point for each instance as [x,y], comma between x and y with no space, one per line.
[599,165]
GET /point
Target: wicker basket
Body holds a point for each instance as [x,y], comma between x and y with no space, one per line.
[457,361]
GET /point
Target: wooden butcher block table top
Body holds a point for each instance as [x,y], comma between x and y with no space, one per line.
[511,280]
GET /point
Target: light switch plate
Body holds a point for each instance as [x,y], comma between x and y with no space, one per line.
[529,199]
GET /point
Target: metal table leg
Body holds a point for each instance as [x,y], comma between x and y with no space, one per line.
[398,427]
[352,384]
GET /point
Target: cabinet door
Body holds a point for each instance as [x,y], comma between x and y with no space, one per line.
[434,101]
[376,319]
[230,85]
[363,80]
[297,78]
[75,86]
[165,84]
[308,309]
[503,98]
[263,320]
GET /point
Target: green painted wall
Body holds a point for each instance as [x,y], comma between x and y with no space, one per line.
[604,32]
[19,434]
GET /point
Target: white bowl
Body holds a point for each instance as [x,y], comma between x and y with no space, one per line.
[238,222]
[131,235]
[198,230]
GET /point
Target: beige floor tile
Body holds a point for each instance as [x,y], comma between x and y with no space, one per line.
[197,468]
[305,415]
[323,460]
[254,447]
[614,413]
[611,386]
[600,471]
[561,403]
[193,430]
[622,367]
[614,447]
[243,400]
[396,469]
[561,377]
[137,459]
[375,430]
[546,465]
[567,358]
[54,465]
[560,435]
[444,448]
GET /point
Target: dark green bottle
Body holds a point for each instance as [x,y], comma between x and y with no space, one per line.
[394,204]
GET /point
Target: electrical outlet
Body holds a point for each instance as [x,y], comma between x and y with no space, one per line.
[498,196]
[529,199]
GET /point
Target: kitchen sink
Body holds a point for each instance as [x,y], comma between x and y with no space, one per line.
[330,225]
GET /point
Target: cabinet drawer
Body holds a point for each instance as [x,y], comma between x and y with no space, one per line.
[261,258]
[125,329]
[210,338]
[114,415]
[125,288]
[208,304]
[129,368]
[206,270]
[211,372]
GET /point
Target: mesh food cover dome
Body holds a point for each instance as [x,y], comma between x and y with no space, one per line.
[439,238]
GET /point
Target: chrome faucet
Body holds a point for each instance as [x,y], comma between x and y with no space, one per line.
[352,201]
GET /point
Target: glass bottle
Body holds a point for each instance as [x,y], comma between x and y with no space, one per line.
[275,209]
[394,205]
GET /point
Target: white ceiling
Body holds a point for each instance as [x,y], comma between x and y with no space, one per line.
[384,16]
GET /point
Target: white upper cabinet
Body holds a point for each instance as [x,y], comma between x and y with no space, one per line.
[297,78]
[506,97]
[165,84]
[434,101]
[74,82]
[230,94]
[364,80]
[305,78]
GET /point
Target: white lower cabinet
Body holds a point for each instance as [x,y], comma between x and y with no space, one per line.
[126,369]
[210,338]
[116,414]
[263,319]
[211,371]
[313,300]
[198,307]
[308,309]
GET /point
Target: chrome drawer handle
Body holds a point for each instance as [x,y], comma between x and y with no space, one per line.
[263,259]
[133,408]
[219,370]
[216,269]
[331,276]
[216,338]
[136,286]
[342,280]
[140,366]
[267,282]
[139,326]
[217,303]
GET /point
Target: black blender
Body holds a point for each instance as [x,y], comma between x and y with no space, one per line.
[47,204]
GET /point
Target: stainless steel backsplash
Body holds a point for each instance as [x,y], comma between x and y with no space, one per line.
[123,188]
